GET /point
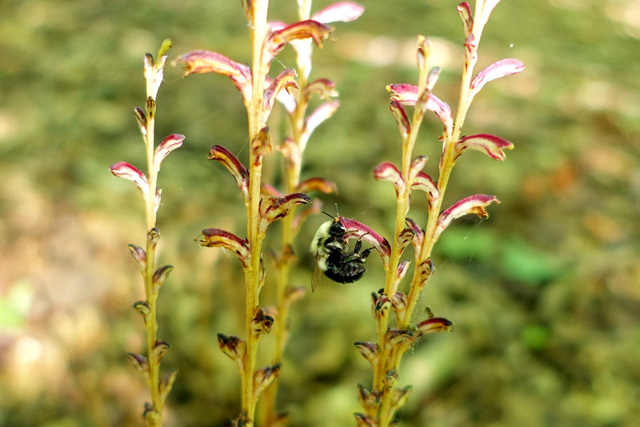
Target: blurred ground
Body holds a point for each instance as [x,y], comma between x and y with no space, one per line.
[545,295]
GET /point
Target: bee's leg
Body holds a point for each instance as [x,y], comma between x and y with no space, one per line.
[365,254]
[358,246]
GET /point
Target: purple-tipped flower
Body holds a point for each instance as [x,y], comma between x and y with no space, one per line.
[233,165]
[160,348]
[399,337]
[273,208]
[141,119]
[387,171]
[278,39]
[139,254]
[167,145]
[140,363]
[368,350]
[504,67]
[204,61]
[128,171]
[469,205]
[407,94]
[402,269]
[493,146]
[361,231]
[324,88]
[217,238]
[285,80]
[423,182]
[418,232]
[160,276]
[434,324]
[467,19]
[404,126]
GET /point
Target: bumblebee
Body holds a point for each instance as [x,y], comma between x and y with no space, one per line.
[333,257]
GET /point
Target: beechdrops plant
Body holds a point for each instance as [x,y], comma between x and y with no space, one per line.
[393,309]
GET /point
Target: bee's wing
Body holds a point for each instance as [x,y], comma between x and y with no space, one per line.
[318,276]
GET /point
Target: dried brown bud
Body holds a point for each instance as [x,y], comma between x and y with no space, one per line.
[265,376]
[368,400]
[262,321]
[159,349]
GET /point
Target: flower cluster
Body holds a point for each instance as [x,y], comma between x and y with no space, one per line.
[264,204]
[392,309]
[154,278]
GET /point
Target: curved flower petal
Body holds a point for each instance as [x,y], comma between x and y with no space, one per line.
[261,144]
[233,165]
[404,93]
[128,171]
[387,171]
[417,165]
[424,183]
[265,376]
[404,126]
[434,324]
[441,109]
[418,232]
[504,67]
[217,238]
[317,184]
[167,145]
[160,276]
[284,80]
[319,115]
[141,119]
[493,146]
[234,347]
[273,208]
[325,88]
[368,350]
[469,205]
[407,94]
[278,39]
[363,232]
[467,20]
[204,61]
[401,271]
[339,12]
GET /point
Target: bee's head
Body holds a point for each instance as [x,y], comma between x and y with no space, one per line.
[337,228]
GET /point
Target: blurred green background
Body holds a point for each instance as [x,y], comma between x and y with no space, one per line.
[544,294]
